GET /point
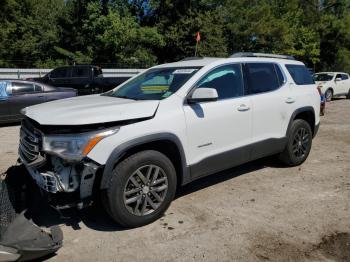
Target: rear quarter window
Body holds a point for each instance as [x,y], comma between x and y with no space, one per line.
[300,74]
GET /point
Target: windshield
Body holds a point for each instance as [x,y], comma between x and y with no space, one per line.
[155,84]
[3,86]
[323,77]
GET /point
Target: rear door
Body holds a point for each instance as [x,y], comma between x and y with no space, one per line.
[339,85]
[23,95]
[346,81]
[272,104]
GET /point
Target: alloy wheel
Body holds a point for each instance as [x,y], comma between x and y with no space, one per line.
[329,95]
[301,142]
[145,190]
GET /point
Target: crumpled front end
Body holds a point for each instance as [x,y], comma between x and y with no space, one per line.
[53,174]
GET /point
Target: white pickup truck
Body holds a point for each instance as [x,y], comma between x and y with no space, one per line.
[333,84]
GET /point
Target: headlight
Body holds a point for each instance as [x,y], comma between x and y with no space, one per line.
[76,146]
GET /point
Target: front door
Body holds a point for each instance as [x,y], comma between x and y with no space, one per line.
[61,77]
[219,131]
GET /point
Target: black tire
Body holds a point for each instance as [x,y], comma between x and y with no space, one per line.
[117,206]
[328,95]
[297,150]
[348,95]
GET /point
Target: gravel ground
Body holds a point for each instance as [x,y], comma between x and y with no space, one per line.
[261,211]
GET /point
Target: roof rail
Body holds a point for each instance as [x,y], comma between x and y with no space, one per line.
[192,58]
[251,54]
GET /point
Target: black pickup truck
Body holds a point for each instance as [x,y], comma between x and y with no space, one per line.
[86,79]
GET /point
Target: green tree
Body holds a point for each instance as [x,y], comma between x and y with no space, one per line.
[119,39]
[179,21]
[28,31]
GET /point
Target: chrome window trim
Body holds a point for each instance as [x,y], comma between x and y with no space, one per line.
[285,79]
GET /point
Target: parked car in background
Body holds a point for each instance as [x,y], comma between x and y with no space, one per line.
[333,84]
[87,79]
[18,94]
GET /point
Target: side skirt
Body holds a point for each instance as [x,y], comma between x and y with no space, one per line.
[236,157]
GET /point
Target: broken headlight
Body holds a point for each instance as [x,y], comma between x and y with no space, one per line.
[76,146]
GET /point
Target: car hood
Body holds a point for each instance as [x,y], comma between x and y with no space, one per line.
[92,109]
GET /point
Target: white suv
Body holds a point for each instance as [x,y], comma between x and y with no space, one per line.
[166,127]
[333,84]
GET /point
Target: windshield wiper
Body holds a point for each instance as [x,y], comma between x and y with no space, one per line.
[126,97]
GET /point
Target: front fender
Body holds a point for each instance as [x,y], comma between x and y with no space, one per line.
[122,149]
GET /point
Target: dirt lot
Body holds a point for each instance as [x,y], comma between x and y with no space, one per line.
[257,212]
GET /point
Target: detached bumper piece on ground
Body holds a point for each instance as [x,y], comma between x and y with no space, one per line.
[21,239]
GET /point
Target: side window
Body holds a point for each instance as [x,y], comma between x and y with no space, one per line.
[300,74]
[22,88]
[97,72]
[38,88]
[3,89]
[81,71]
[263,77]
[60,73]
[344,77]
[227,80]
[338,76]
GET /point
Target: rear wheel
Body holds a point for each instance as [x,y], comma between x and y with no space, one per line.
[348,95]
[142,188]
[299,143]
[329,95]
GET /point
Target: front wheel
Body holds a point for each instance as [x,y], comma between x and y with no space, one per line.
[329,95]
[142,188]
[299,143]
[348,95]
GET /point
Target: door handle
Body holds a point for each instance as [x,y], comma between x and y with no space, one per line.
[40,96]
[290,100]
[243,108]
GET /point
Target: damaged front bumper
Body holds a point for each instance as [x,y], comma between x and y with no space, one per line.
[24,240]
[65,184]
[23,235]
[71,183]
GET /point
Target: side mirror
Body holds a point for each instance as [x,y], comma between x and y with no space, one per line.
[203,94]
[337,79]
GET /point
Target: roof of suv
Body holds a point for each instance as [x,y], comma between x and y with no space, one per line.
[200,62]
[331,73]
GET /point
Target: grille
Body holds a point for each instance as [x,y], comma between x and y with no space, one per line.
[29,143]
